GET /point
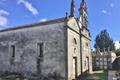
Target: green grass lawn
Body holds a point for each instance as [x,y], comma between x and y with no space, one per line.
[98,75]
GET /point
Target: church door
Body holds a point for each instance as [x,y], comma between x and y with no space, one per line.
[74,67]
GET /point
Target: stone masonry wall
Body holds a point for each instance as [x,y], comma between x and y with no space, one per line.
[26,52]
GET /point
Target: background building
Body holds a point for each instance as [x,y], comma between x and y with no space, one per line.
[103,60]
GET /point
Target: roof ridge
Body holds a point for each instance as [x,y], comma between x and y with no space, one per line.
[58,20]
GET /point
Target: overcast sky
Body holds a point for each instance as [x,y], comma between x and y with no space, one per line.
[103,14]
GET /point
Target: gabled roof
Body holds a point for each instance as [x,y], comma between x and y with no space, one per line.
[59,20]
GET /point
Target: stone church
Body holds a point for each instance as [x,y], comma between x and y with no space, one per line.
[58,49]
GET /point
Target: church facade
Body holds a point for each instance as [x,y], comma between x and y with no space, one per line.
[53,50]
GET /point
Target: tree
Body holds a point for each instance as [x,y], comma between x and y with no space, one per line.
[104,42]
[117,52]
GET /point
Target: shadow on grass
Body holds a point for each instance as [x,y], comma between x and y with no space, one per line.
[98,76]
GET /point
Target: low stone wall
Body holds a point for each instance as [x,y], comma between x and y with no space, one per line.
[113,75]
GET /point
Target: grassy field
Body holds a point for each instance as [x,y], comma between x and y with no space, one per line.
[98,75]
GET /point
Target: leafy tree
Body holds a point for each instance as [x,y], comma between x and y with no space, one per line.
[117,52]
[104,42]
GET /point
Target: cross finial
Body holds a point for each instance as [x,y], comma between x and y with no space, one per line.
[66,15]
[82,6]
[83,1]
[72,13]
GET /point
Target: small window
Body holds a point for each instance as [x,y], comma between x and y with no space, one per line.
[40,49]
[74,50]
[75,41]
[87,44]
[97,60]
[84,63]
[13,51]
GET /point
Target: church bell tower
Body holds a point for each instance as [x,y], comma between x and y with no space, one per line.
[83,14]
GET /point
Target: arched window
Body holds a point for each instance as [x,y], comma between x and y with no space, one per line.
[74,50]
[75,45]
[87,44]
[75,41]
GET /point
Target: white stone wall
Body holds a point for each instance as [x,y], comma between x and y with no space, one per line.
[72,53]
[86,53]
[74,32]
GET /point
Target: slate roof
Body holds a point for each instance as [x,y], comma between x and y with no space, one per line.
[59,20]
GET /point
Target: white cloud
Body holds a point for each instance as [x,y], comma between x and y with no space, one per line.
[104,11]
[29,6]
[112,5]
[43,20]
[117,44]
[3,21]
[3,12]
[3,18]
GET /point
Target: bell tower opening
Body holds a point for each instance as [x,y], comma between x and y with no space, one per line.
[83,14]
